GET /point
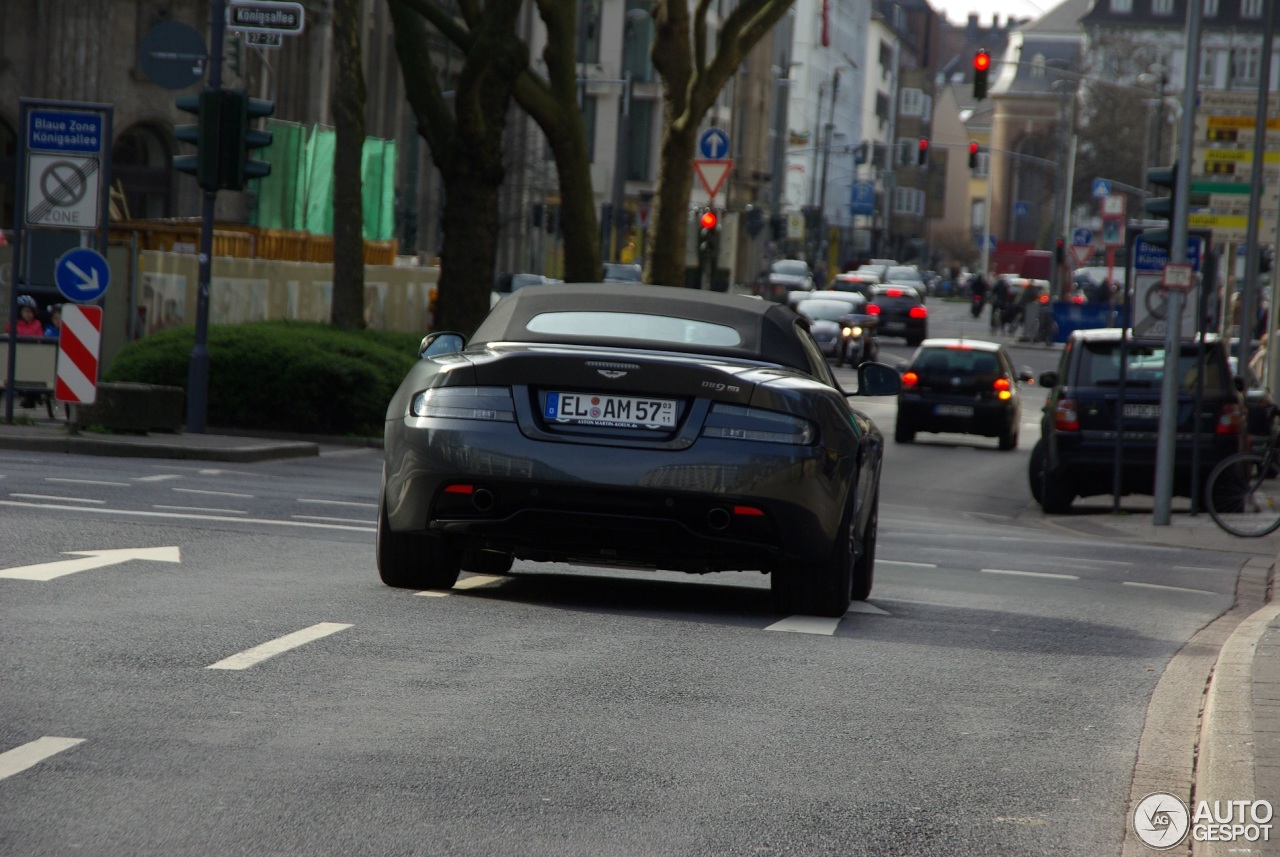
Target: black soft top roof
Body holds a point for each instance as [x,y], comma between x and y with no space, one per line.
[767,329]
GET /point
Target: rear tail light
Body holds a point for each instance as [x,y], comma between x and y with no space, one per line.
[909,380]
[737,422]
[894,293]
[1044,299]
[1002,388]
[465,403]
[873,309]
[918,312]
[1231,419]
[1077,299]
[1065,417]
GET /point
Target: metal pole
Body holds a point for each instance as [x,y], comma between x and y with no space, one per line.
[1177,255]
[986,225]
[198,368]
[826,159]
[621,154]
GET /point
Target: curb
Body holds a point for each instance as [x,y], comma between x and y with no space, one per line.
[150,448]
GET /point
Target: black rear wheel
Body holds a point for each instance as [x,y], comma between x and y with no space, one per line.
[865,565]
[1243,495]
[822,588]
[903,433]
[415,560]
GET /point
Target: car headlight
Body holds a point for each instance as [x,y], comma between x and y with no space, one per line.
[736,422]
[851,331]
[465,403]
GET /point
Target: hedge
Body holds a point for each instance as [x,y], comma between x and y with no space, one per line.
[281,375]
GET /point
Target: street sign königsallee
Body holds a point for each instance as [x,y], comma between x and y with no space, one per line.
[263,16]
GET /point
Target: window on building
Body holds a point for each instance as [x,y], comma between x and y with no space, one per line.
[1244,65]
[638,148]
[589,126]
[639,36]
[886,59]
[1122,7]
[977,216]
[907,150]
[589,32]
[882,108]
[908,201]
[984,166]
[912,102]
[1162,7]
[1209,69]
[1210,8]
[1251,9]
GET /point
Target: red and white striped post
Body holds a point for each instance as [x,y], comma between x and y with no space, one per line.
[78,346]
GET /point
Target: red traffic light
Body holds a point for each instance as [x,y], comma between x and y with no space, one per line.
[973,154]
[708,220]
[981,64]
[922,153]
[981,60]
[973,148]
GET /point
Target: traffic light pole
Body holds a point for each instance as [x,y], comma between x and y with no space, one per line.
[1167,437]
[198,367]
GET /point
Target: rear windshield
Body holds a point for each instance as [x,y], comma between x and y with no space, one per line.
[1144,367]
[634,325]
[954,362]
[824,310]
[790,268]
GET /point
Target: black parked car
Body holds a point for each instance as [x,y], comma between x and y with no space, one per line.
[634,425]
[900,312]
[961,385]
[1076,454]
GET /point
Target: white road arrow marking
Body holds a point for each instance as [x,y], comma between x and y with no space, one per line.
[88,282]
[89,559]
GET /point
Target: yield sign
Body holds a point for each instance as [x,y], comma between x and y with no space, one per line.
[1080,253]
[712,174]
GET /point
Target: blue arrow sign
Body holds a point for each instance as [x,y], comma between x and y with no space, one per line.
[1021,208]
[1101,188]
[714,144]
[82,275]
[1082,237]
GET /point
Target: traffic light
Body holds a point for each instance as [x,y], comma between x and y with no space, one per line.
[922,152]
[1160,207]
[981,65]
[709,220]
[708,237]
[241,110]
[973,154]
[203,135]
[1060,251]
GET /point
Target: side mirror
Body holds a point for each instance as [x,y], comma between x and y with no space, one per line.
[1049,379]
[877,379]
[441,342]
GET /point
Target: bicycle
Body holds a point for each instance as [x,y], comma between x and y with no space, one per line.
[1243,490]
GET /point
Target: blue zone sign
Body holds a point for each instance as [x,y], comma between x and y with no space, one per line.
[64,131]
[1147,257]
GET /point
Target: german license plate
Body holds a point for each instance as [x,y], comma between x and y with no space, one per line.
[616,411]
[893,325]
[1141,412]
[953,410]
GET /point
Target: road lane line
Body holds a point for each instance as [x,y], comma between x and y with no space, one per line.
[340,503]
[806,625]
[870,609]
[20,758]
[1198,568]
[86,482]
[334,520]
[904,562]
[475,581]
[1029,573]
[1170,588]
[189,517]
[59,499]
[200,509]
[159,477]
[213,493]
[271,648]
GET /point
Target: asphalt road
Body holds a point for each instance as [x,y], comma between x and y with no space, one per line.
[987,700]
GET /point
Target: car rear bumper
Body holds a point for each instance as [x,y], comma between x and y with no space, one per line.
[681,509]
[1087,460]
[989,418]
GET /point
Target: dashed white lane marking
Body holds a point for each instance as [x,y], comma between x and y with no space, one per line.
[200,509]
[188,516]
[210,472]
[33,753]
[87,482]
[340,503]
[475,581]
[57,499]
[159,477]
[258,654]
[1029,573]
[806,625]
[334,520]
[1196,568]
[1169,588]
[213,493]
[871,609]
[904,562]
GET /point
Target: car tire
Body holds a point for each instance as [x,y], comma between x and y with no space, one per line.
[1009,440]
[415,560]
[864,565]
[1035,471]
[903,434]
[1056,494]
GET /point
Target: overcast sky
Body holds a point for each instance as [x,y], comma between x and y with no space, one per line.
[957,11]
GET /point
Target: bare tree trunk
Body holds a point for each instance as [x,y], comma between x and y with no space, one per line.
[347,311]
[670,216]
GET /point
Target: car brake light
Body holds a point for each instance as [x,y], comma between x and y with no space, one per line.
[748,511]
[1231,420]
[1077,299]
[909,380]
[1044,299]
[959,346]
[894,293]
[738,422]
[1001,387]
[1065,417]
[465,403]
[873,309]
[459,489]
[918,312]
